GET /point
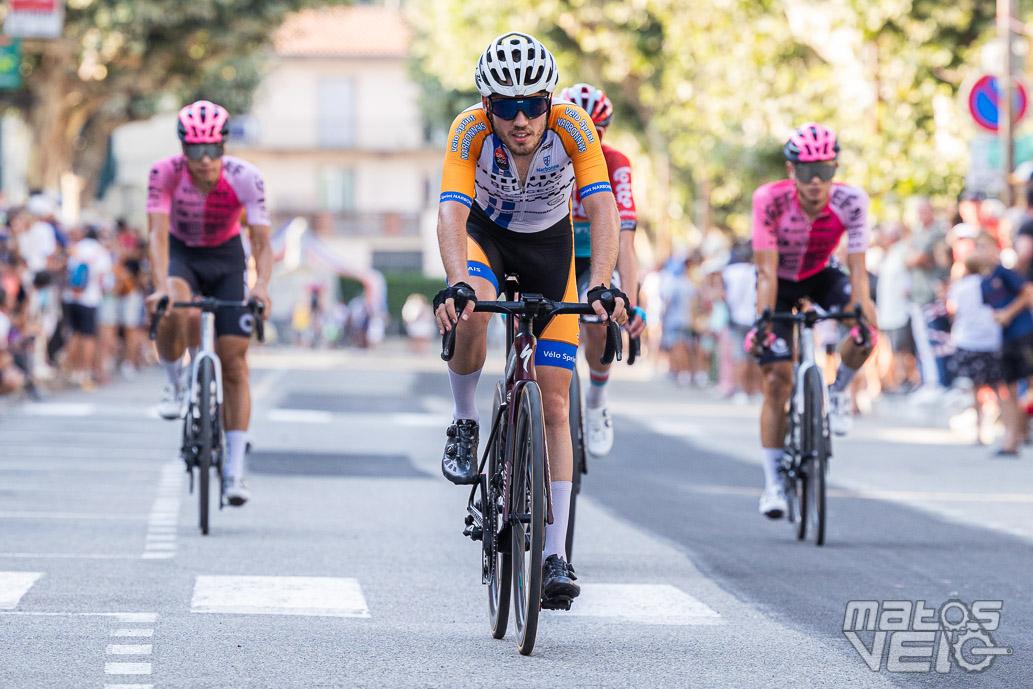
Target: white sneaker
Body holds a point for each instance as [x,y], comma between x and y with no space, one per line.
[236,490]
[773,502]
[599,430]
[841,418]
[171,406]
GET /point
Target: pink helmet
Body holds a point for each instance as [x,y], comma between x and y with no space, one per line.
[203,122]
[591,100]
[811,143]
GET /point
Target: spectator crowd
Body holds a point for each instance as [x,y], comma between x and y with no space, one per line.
[71,299]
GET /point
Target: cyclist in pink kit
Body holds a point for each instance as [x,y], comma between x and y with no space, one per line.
[194,205]
[797,225]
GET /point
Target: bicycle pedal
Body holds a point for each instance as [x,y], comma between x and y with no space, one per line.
[474,533]
[558,603]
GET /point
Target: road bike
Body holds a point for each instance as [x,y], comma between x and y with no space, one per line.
[808,443]
[511,502]
[577,439]
[203,446]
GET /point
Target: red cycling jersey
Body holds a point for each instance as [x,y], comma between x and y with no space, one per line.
[803,246]
[619,168]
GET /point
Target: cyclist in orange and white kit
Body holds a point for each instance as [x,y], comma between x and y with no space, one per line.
[505,208]
[598,426]
[797,225]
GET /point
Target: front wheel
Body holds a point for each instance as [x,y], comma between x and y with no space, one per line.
[206,436]
[499,559]
[816,452]
[527,517]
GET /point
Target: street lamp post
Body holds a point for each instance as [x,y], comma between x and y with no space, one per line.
[1005,117]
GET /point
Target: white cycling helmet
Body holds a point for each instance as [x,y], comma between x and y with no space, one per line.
[515,64]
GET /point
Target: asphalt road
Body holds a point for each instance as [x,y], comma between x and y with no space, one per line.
[348,567]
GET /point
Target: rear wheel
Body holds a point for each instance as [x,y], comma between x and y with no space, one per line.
[205,440]
[527,524]
[816,451]
[577,442]
[499,560]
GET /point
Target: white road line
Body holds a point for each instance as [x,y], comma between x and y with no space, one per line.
[299,416]
[128,617]
[127,668]
[14,585]
[160,543]
[58,409]
[264,595]
[643,604]
[70,556]
[132,632]
[263,387]
[129,649]
[128,686]
[75,516]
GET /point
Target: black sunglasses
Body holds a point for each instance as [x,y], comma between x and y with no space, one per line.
[805,172]
[198,151]
[507,108]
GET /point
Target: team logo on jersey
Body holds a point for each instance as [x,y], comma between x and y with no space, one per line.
[501,160]
[546,160]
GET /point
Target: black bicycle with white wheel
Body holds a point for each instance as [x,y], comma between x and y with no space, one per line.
[511,502]
[203,446]
[808,442]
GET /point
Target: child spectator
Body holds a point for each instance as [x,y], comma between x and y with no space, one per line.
[1011,298]
[976,336]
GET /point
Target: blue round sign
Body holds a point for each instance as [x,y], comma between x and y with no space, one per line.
[984,102]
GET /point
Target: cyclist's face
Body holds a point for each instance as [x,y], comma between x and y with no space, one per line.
[206,170]
[814,190]
[520,134]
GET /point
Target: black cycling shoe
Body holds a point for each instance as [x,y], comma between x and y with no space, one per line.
[459,462]
[559,585]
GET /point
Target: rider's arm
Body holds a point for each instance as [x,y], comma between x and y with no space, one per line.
[158,228]
[860,290]
[627,264]
[767,278]
[262,250]
[601,210]
[452,217]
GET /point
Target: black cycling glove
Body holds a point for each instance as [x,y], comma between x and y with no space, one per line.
[461,292]
[596,292]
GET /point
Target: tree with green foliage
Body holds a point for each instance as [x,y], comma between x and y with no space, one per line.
[714,88]
[118,60]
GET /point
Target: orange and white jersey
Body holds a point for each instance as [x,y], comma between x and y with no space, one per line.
[479,169]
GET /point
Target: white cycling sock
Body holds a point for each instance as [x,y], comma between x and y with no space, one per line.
[464,394]
[844,374]
[236,446]
[772,462]
[193,353]
[595,397]
[556,533]
[173,370]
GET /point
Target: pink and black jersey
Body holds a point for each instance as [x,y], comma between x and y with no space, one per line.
[211,220]
[803,246]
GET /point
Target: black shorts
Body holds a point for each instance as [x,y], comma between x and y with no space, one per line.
[982,368]
[1017,358]
[544,261]
[81,319]
[830,289]
[215,271]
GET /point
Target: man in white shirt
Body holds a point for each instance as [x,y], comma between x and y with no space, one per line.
[89,273]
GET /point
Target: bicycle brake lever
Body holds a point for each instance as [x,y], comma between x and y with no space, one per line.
[163,304]
[634,349]
[257,309]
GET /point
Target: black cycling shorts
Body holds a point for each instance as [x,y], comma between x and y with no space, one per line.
[544,262]
[830,289]
[216,271]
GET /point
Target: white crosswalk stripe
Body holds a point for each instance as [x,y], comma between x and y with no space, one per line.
[268,595]
[14,585]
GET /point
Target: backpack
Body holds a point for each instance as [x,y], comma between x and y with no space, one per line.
[78,275]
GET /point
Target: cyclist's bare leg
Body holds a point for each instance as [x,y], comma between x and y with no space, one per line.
[232,351]
[555,385]
[777,385]
[173,330]
[471,337]
[852,357]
